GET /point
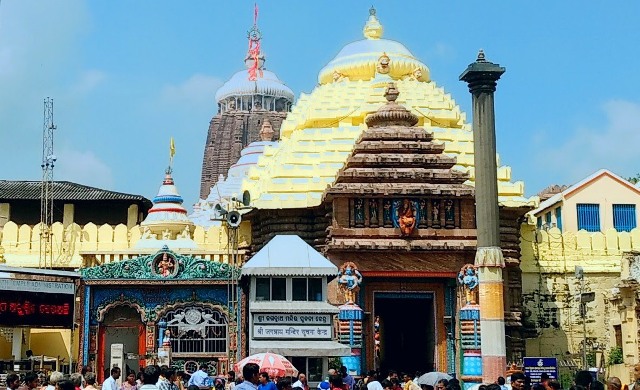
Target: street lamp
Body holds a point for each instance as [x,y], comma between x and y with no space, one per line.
[584,299]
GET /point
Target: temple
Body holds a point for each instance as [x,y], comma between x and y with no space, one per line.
[375,167]
[250,99]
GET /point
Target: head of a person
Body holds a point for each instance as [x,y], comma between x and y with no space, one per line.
[386,384]
[85,369]
[636,372]
[583,378]
[150,375]
[76,378]
[131,378]
[231,376]
[544,378]
[336,382]
[393,374]
[32,380]
[65,384]
[371,375]
[500,381]
[302,377]
[169,373]
[331,372]
[614,383]
[284,384]
[115,372]
[250,372]
[13,381]
[204,367]
[553,384]
[406,377]
[343,370]
[518,381]
[494,386]
[55,377]
[442,384]
[90,378]
[264,377]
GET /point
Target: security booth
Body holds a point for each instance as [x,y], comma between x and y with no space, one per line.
[288,309]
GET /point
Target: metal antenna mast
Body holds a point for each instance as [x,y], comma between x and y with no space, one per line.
[46,188]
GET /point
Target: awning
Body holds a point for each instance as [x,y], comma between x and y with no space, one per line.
[300,348]
[292,307]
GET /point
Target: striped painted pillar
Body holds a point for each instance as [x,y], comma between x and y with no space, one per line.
[482,77]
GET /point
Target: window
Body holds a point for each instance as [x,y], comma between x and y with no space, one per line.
[196,329]
[547,219]
[617,329]
[306,289]
[271,289]
[539,222]
[588,216]
[559,217]
[312,366]
[624,217]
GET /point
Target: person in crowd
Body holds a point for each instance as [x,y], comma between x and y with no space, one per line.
[265,383]
[130,382]
[13,381]
[387,385]
[502,383]
[518,381]
[110,383]
[302,381]
[31,380]
[250,375]
[65,384]
[336,383]
[150,376]
[408,383]
[493,386]
[167,378]
[200,377]
[346,378]
[76,378]
[57,376]
[454,384]
[583,378]
[636,378]
[324,385]
[614,383]
[284,384]
[442,384]
[542,385]
[90,380]
[231,380]
[372,381]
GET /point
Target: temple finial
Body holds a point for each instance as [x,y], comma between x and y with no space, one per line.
[372,29]
[481,57]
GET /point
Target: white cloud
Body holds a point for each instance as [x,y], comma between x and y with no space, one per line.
[83,167]
[613,146]
[197,90]
[87,81]
[444,51]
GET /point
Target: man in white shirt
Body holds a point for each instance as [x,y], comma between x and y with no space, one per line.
[150,376]
[110,383]
[199,378]
[372,381]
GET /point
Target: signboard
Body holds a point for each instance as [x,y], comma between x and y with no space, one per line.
[534,367]
[36,285]
[290,332]
[292,319]
[36,309]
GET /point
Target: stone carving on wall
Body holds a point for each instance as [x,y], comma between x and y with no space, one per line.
[373,212]
[435,213]
[358,212]
[386,213]
[407,217]
[383,64]
[449,214]
[468,279]
[349,280]
[150,267]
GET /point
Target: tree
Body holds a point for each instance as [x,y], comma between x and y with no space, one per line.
[634,179]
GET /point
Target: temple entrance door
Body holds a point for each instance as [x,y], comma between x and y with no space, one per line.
[407,331]
[122,325]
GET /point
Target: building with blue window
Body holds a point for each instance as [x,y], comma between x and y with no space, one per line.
[597,203]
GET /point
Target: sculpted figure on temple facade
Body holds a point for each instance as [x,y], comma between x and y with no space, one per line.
[373,212]
[383,64]
[186,233]
[468,278]
[415,75]
[359,211]
[337,76]
[449,215]
[166,265]
[166,340]
[147,235]
[349,280]
[435,213]
[406,217]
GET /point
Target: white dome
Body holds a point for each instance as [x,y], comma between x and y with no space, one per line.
[240,85]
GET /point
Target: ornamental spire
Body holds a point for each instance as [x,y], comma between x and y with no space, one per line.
[372,29]
[255,58]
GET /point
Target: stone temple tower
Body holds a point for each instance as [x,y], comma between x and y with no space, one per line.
[249,99]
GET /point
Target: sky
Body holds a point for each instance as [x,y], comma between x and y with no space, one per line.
[127,75]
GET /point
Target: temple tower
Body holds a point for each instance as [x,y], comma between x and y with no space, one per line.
[482,77]
[246,101]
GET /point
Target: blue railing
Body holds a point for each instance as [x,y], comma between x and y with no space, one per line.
[588,216]
[624,217]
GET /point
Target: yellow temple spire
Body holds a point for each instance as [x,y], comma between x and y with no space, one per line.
[372,29]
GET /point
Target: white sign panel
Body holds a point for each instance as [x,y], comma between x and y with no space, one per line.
[311,332]
[292,319]
[36,286]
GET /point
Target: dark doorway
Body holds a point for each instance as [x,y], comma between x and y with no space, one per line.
[407,331]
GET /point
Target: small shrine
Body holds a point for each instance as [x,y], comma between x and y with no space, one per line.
[469,329]
[288,312]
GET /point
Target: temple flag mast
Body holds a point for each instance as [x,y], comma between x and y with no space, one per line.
[482,77]
[172,152]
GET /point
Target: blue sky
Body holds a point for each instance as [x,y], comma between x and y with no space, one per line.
[127,75]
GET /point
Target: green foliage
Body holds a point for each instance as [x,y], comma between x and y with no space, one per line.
[335,363]
[634,179]
[591,359]
[615,356]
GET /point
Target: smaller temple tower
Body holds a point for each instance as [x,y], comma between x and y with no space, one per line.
[249,99]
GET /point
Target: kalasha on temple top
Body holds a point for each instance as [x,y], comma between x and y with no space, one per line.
[322,128]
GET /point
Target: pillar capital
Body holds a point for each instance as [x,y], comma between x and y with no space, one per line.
[482,75]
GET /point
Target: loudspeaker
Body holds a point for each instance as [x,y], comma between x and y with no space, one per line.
[220,210]
[233,219]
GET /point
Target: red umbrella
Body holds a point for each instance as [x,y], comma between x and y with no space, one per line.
[273,364]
